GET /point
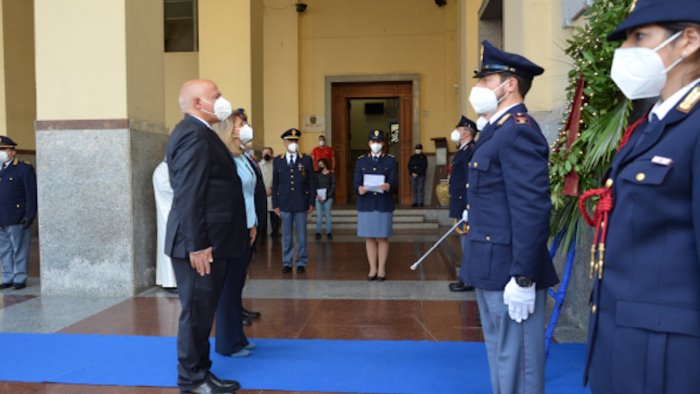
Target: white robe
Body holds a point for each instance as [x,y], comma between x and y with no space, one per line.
[164,200]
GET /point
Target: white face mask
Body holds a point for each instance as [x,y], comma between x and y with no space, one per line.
[455,136]
[321,143]
[484,100]
[292,148]
[418,151]
[4,156]
[481,122]
[246,134]
[222,108]
[640,72]
[375,147]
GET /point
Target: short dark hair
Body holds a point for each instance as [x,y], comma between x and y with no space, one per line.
[270,148]
[524,84]
[325,163]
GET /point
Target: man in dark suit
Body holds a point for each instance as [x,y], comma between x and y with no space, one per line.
[17,212]
[509,207]
[206,228]
[293,198]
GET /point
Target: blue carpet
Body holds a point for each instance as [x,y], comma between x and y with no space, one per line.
[276,364]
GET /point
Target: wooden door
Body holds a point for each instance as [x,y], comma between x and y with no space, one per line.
[341,94]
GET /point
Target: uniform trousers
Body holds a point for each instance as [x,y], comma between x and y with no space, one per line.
[294,222]
[230,337]
[199,297]
[418,187]
[515,350]
[14,253]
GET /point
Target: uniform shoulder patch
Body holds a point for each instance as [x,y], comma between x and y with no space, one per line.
[390,155]
[521,119]
[361,156]
[690,100]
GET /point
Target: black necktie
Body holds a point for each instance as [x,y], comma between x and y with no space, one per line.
[291,160]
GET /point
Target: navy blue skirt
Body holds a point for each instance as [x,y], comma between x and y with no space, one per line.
[374,224]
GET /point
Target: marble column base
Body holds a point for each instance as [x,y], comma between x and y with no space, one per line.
[97,223]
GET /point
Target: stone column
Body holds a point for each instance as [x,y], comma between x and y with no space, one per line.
[100,133]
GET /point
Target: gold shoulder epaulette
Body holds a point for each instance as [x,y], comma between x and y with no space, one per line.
[281,156]
[690,100]
[390,155]
[16,161]
[503,120]
[361,156]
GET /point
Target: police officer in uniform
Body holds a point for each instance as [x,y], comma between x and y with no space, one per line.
[293,198]
[375,203]
[644,327]
[17,212]
[464,135]
[506,255]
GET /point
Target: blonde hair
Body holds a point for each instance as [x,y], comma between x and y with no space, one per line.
[224,130]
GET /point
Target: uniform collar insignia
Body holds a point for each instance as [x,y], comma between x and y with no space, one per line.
[690,100]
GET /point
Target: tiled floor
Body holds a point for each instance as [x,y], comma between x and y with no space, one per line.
[331,301]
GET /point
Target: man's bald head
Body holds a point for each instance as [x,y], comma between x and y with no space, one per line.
[198,93]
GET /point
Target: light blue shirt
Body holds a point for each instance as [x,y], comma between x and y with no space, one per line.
[248,180]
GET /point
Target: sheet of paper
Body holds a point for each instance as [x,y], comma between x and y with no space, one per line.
[322,193]
[373,182]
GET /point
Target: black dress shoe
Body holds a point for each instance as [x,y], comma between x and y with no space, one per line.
[246,321]
[415,204]
[18,286]
[317,236]
[222,383]
[460,286]
[210,386]
[286,269]
[5,285]
[251,314]
[301,269]
[329,236]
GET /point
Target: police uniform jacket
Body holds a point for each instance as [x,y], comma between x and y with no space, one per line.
[293,186]
[208,208]
[644,327]
[418,164]
[384,165]
[459,178]
[17,193]
[509,204]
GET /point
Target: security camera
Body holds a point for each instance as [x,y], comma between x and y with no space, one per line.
[301,7]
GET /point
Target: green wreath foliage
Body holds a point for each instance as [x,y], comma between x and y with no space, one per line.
[604,114]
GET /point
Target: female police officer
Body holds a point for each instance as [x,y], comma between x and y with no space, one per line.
[375,203]
[644,329]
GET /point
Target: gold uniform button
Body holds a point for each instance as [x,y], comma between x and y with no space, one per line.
[609,183]
[292,182]
[17,205]
[374,169]
[476,164]
[375,193]
[594,308]
[467,186]
[488,238]
[640,177]
[467,206]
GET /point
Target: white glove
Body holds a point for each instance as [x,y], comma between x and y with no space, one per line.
[520,300]
[465,216]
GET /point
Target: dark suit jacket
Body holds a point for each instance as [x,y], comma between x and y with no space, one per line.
[260,200]
[509,205]
[208,207]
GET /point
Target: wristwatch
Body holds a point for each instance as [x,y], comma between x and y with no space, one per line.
[523,281]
